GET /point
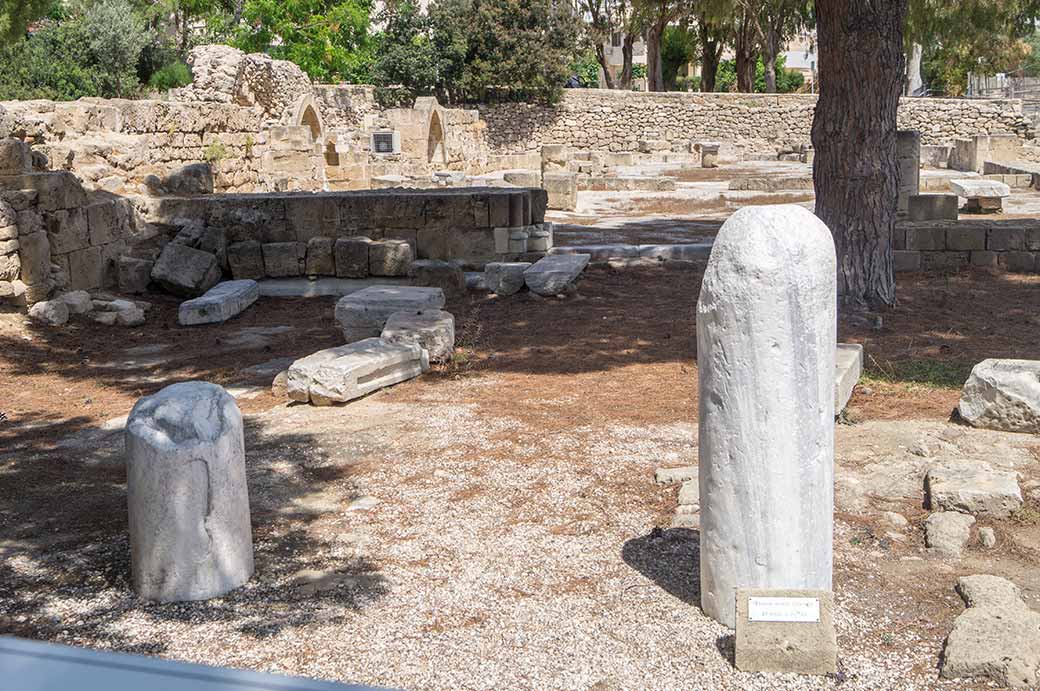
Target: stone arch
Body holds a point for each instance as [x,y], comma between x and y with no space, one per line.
[306,114]
[435,147]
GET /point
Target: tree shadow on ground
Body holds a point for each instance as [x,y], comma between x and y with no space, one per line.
[671,559]
[64,541]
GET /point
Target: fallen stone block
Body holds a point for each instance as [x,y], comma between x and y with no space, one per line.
[78,302]
[433,330]
[190,533]
[184,271]
[982,194]
[133,275]
[389,258]
[505,278]
[975,488]
[220,303]
[997,637]
[946,533]
[848,362]
[51,312]
[551,275]
[341,374]
[433,273]
[669,476]
[363,314]
[1003,395]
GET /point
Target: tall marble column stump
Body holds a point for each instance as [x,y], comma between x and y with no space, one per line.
[766,338]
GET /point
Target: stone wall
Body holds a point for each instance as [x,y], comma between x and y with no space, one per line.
[469,226]
[1012,245]
[619,120]
[63,236]
[113,145]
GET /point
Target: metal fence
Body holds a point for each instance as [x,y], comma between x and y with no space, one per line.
[1008,86]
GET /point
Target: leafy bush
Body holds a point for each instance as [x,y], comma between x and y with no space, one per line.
[688,83]
[787,80]
[587,68]
[678,47]
[638,71]
[171,76]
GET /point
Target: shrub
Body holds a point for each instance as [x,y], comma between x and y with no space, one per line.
[115,37]
[171,76]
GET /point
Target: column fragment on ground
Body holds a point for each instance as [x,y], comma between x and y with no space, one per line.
[766,339]
[190,534]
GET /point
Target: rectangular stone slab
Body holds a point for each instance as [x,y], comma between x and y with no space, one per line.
[220,303]
[343,373]
[970,188]
[550,275]
[364,313]
[848,368]
[802,647]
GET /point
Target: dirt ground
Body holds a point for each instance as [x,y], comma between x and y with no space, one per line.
[513,543]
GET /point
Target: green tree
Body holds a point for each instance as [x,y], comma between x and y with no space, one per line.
[518,49]
[328,39]
[405,52]
[115,37]
[15,15]
[965,36]
[679,47]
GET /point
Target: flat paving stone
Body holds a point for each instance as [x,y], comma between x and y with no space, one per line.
[550,275]
[322,287]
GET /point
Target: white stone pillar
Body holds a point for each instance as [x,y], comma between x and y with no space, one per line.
[190,535]
[766,339]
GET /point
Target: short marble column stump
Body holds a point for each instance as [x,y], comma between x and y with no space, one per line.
[766,341]
[190,535]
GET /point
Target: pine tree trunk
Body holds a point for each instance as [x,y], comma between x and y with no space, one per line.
[744,49]
[604,64]
[626,61]
[860,47]
[710,55]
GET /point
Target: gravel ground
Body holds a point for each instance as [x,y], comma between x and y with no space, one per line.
[495,558]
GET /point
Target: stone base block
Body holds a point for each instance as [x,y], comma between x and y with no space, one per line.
[801,647]
[932,207]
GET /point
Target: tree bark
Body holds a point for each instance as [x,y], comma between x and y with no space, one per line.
[769,62]
[654,68]
[711,51]
[604,64]
[626,61]
[744,53]
[860,48]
